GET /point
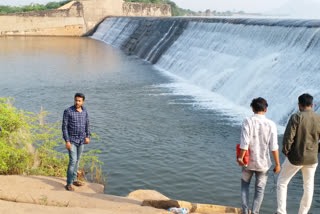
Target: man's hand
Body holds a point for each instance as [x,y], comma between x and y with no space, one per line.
[68,145]
[241,156]
[87,140]
[276,169]
[276,160]
[240,161]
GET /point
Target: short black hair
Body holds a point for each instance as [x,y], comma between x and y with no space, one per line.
[259,104]
[305,100]
[79,95]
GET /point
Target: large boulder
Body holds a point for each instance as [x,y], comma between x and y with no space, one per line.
[142,195]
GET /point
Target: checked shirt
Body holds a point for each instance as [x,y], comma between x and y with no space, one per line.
[75,125]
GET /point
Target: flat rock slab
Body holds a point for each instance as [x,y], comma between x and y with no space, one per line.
[41,183]
[33,191]
[23,208]
[40,194]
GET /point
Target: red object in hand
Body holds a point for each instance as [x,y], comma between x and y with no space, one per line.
[246,155]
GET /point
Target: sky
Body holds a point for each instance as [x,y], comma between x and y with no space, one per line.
[295,7]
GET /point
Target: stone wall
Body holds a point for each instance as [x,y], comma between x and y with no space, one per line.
[67,22]
[44,26]
[96,10]
[75,18]
[144,9]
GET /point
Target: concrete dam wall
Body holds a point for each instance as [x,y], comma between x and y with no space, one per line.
[75,18]
[65,22]
[230,60]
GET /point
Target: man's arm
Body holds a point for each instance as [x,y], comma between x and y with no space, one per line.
[244,141]
[88,134]
[65,126]
[65,129]
[289,134]
[274,147]
[275,155]
[241,156]
[87,129]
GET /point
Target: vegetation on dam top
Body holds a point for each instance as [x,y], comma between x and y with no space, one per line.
[176,11]
[4,9]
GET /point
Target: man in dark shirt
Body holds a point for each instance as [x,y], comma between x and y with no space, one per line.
[76,133]
[300,146]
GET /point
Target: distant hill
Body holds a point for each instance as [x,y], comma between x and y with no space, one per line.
[299,9]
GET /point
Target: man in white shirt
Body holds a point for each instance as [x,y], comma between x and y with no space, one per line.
[259,136]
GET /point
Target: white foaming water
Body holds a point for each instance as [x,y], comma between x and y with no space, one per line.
[241,62]
[204,98]
[224,65]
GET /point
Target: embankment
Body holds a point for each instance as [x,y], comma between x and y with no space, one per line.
[75,18]
[65,22]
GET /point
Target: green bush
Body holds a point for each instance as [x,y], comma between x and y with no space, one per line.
[27,146]
[32,7]
[13,160]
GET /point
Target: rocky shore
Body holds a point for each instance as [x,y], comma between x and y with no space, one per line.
[40,194]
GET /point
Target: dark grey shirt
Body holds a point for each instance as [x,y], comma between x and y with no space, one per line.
[301,138]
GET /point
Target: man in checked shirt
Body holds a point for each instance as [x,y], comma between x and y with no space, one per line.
[76,133]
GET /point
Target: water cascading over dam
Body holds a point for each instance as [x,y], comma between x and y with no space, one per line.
[231,60]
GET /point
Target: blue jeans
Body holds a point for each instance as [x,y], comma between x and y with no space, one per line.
[74,161]
[261,181]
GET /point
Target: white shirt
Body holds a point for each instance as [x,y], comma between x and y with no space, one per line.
[259,135]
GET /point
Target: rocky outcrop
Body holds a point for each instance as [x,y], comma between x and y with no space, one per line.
[142,195]
[38,193]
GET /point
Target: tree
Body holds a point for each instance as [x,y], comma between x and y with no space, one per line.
[207,12]
[32,7]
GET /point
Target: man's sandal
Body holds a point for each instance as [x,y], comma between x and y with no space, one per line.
[69,187]
[78,183]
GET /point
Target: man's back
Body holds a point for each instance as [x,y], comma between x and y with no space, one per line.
[259,135]
[300,145]
[301,138]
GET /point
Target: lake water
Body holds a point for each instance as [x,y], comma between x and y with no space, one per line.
[150,137]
